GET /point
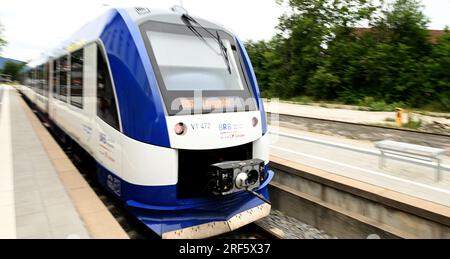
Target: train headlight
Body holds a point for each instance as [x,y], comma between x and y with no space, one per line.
[180,129]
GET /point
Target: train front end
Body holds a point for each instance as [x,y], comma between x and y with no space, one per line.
[206,172]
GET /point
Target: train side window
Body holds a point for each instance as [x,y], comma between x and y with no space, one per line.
[55,78]
[32,79]
[37,75]
[29,79]
[45,79]
[106,102]
[76,78]
[40,79]
[63,69]
[35,80]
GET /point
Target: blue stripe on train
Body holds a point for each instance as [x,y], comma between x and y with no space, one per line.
[139,99]
[254,84]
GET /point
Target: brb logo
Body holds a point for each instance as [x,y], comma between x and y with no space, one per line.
[103,139]
[225,127]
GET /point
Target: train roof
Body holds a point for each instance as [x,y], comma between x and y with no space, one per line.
[91,31]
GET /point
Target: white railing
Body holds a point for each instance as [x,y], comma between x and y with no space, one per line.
[361,150]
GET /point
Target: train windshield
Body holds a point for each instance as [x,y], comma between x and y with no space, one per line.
[191,62]
[188,63]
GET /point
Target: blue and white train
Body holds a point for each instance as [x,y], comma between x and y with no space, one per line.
[169,107]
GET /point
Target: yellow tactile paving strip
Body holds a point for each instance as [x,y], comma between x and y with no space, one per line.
[382,192]
[98,220]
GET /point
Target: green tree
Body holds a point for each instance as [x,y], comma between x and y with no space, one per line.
[2,41]
[405,23]
[307,33]
[257,52]
[13,69]
[396,65]
[320,52]
[438,73]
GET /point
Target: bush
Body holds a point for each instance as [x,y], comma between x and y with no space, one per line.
[348,97]
[379,106]
[265,94]
[366,101]
[413,124]
[302,99]
[375,105]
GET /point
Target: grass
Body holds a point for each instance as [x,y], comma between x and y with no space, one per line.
[375,105]
[371,104]
[413,124]
[367,104]
[301,99]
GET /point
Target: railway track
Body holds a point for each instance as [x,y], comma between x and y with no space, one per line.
[363,131]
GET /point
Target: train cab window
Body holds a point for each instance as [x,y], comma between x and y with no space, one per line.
[55,78]
[76,78]
[63,74]
[106,102]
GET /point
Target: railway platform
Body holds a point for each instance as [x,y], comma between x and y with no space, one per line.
[335,185]
[358,160]
[42,195]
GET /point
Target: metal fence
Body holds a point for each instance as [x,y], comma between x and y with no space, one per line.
[361,150]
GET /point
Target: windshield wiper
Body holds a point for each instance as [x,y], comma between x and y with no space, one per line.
[188,20]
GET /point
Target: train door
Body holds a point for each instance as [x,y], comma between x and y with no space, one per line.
[79,109]
[47,87]
[51,87]
[55,89]
[107,125]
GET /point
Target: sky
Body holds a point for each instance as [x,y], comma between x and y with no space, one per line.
[35,26]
